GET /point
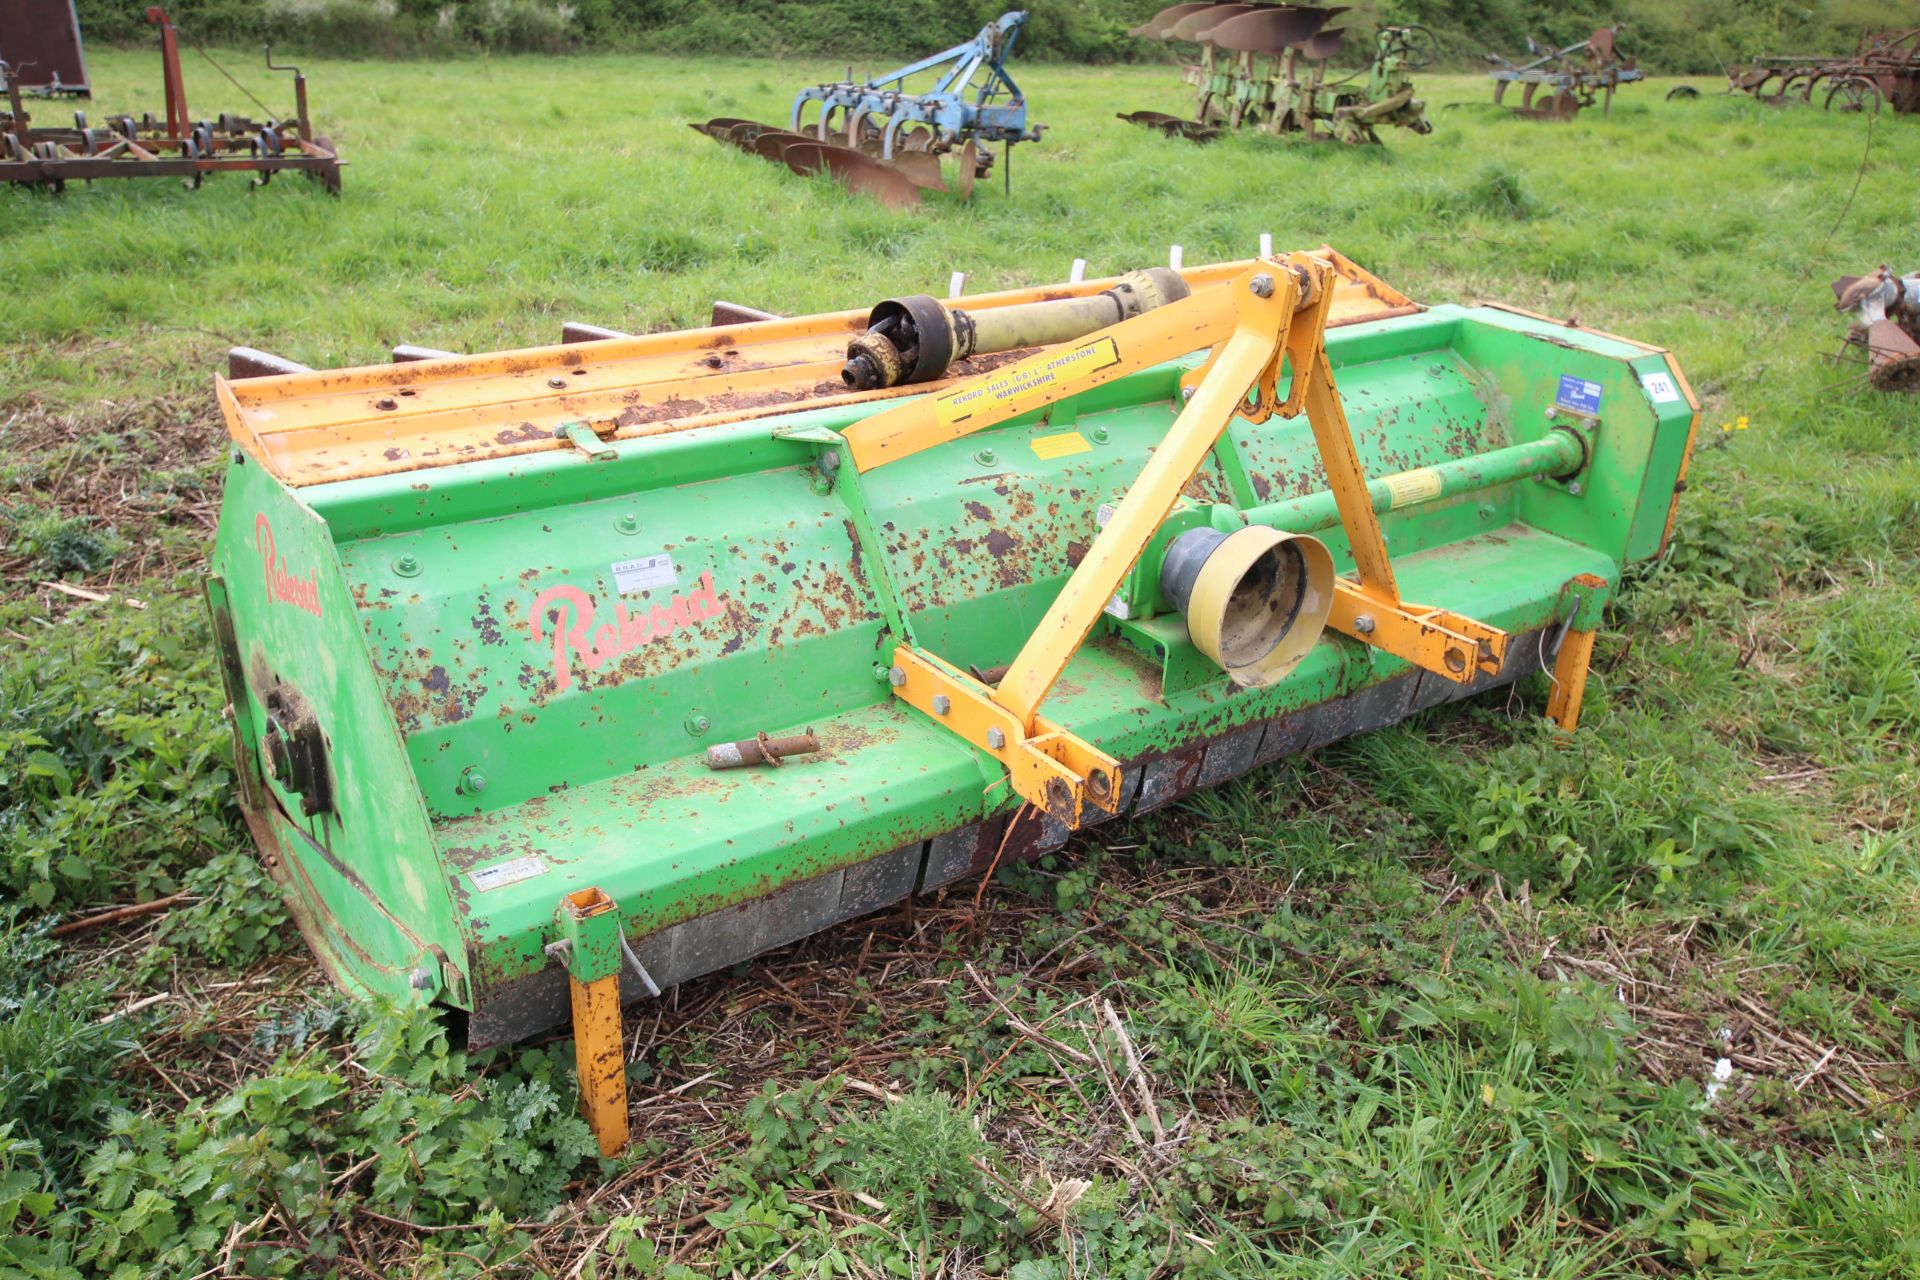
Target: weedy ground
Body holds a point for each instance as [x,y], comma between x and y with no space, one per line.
[1445,1000]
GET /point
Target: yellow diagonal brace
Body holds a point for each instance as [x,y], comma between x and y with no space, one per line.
[1261,324]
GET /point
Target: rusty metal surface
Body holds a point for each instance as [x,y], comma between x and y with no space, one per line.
[40,47]
[385,419]
[1884,68]
[525,1006]
[174,146]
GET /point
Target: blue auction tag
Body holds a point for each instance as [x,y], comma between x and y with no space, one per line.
[1578,394]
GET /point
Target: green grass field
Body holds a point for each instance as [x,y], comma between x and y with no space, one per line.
[1443,1001]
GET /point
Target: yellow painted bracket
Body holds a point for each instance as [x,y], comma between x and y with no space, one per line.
[1268,322]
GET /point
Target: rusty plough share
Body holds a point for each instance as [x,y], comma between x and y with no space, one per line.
[885,141]
[1883,68]
[558,676]
[1574,75]
[1268,66]
[176,146]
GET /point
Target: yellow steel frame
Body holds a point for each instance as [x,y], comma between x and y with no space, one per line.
[1269,319]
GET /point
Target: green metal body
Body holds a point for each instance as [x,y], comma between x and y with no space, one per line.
[511,669]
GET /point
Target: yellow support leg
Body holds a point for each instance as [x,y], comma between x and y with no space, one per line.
[1570,679]
[588,922]
[600,1060]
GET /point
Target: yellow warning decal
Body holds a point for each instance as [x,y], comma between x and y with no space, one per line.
[1410,487]
[1023,386]
[1047,448]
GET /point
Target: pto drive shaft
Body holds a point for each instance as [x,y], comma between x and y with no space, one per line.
[917,338]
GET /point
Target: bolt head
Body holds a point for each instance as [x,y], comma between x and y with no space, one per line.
[942,704]
[1553,411]
[473,782]
[1364,624]
[420,980]
[557,383]
[407,566]
[986,457]
[996,738]
[896,676]
[697,724]
[1262,286]
[627,524]
[1573,488]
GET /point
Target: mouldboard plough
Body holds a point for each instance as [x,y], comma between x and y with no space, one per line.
[561,675]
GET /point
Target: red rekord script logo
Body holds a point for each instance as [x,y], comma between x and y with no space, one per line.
[282,586]
[576,637]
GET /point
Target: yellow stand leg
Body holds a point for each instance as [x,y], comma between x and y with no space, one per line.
[1570,679]
[601,1060]
[590,946]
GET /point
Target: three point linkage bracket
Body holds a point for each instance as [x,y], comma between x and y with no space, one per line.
[1268,322]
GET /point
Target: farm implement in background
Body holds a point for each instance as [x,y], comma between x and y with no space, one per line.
[1571,78]
[559,676]
[1883,315]
[40,50]
[1883,69]
[176,146]
[881,139]
[1268,66]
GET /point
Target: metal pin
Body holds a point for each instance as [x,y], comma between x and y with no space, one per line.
[760,749]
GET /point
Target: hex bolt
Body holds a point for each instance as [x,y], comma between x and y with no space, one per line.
[896,676]
[1553,411]
[386,402]
[407,566]
[1364,624]
[1488,511]
[1098,435]
[628,523]
[996,738]
[697,724]
[472,781]
[942,704]
[1186,394]
[1262,286]
[558,384]
[1573,488]
[986,457]
[1436,370]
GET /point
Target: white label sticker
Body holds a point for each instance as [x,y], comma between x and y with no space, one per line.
[1104,514]
[1660,388]
[1118,607]
[644,573]
[512,871]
